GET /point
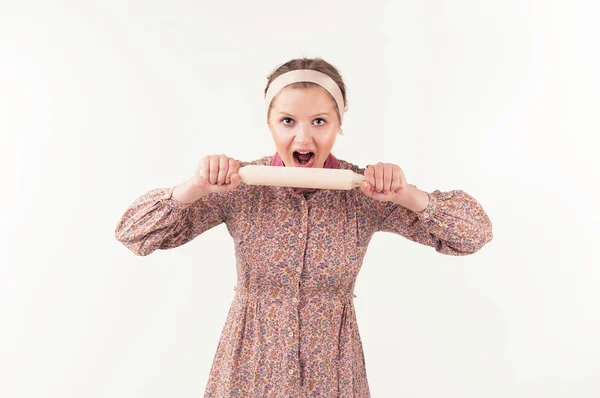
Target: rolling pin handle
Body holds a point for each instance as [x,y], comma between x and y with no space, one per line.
[357,179]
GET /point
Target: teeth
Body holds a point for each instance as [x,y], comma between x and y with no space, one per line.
[303,153]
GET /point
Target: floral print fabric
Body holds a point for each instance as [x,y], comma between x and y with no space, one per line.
[291,329]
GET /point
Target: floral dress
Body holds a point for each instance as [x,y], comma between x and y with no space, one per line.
[291,329]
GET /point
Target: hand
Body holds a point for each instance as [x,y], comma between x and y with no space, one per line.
[385,182]
[217,173]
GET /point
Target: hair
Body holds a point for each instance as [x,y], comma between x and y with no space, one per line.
[317,64]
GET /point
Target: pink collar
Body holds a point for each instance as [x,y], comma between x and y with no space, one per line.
[330,163]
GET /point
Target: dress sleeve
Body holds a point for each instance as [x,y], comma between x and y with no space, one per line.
[156,220]
[454,223]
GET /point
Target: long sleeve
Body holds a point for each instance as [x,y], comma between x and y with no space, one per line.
[156,220]
[454,223]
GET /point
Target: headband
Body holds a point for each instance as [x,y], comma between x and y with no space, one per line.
[307,75]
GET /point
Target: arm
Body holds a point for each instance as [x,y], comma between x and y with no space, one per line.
[453,222]
[156,220]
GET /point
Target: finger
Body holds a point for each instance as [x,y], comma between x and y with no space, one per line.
[214,169]
[370,170]
[366,188]
[223,167]
[204,168]
[369,176]
[378,177]
[232,169]
[199,168]
[235,181]
[402,179]
[387,178]
[396,174]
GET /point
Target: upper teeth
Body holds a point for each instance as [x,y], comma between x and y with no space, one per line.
[303,153]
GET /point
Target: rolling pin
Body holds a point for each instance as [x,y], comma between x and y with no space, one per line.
[300,177]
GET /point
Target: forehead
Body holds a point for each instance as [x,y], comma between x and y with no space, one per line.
[314,99]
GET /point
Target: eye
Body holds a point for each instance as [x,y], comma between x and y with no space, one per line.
[286,118]
[320,118]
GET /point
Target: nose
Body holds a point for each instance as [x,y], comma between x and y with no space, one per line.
[303,134]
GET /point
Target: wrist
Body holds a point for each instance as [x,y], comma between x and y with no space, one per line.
[188,192]
[413,199]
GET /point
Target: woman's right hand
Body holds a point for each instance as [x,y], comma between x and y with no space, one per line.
[216,173]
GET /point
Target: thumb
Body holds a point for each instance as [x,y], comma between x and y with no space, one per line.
[365,187]
[199,182]
[235,181]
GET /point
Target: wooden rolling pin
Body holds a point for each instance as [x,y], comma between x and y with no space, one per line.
[300,177]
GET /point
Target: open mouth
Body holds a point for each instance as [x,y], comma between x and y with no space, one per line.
[304,159]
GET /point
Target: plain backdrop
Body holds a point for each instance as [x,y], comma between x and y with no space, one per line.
[102,101]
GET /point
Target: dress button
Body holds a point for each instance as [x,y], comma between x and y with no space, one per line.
[294,299]
[291,334]
[291,371]
[300,235]
[298,269]
[425,215]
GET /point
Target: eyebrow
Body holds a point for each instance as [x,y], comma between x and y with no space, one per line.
[318,114]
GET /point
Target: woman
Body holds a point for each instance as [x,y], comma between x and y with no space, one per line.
[291,330]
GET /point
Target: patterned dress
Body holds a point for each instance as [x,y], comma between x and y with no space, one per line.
[291,329]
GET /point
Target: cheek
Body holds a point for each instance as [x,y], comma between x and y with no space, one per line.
[281,139]
[327,141]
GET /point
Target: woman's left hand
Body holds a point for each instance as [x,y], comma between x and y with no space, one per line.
[385,182]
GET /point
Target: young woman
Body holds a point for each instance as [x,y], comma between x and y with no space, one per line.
[291,329]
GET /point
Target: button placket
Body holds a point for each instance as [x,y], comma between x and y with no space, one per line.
[302,243]
[304,220]
[293,332]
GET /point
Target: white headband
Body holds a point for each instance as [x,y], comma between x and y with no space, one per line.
[307,75]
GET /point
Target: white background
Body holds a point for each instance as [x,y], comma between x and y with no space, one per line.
[103,101]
